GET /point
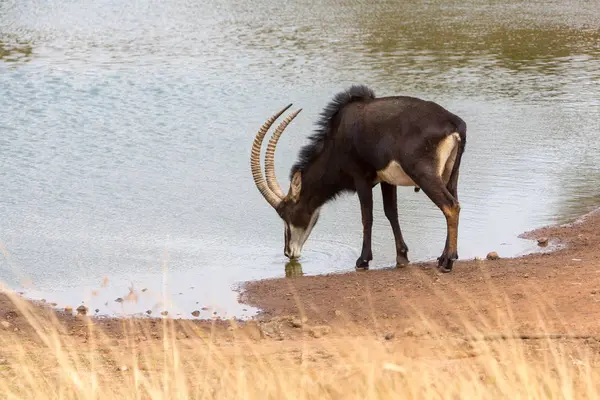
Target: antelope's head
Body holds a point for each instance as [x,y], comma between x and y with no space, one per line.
[298,218]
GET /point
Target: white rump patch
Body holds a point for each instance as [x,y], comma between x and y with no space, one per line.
[446,155]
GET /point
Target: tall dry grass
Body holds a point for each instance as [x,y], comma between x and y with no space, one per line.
[51,362]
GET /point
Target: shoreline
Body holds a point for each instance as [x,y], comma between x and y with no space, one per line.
[571,255]
[321,298]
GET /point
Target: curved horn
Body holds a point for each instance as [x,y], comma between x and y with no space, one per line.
[267,193]
[270,155]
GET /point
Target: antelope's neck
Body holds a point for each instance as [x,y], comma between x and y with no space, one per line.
[321,183]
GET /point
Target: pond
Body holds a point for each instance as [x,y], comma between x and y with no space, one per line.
[126,126]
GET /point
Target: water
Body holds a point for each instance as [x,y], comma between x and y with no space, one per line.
[125,132]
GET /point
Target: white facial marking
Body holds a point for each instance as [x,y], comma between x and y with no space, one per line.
[299,235]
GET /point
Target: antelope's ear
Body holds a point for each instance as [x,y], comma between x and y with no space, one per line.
[295,186]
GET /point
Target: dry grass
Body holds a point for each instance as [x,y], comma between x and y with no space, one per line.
[183,360]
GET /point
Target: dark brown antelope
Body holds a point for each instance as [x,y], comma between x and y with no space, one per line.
[361,141]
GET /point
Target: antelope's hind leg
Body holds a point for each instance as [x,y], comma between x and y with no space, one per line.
[436,190]
[390,208]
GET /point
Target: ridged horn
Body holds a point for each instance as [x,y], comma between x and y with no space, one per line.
[259,180]
[270,155]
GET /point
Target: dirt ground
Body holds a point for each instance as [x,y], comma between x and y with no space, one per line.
[560,288]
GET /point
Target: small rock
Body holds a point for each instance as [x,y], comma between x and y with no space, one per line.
[196,313]
[492,256]
[526,276]
[597,291]
[296,323]
[319,331]
[543,241]
[164,313]
[68,309]
[389,336]
[82,310]
[409,332]
[148,312]
[53,304]
[204,308]
[119,300]
[144,289]
[5,324]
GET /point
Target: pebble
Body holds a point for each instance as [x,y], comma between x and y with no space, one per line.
[196,313]
[68,309]
[97,310]
[319,331]
[148,312]
[297,323]
[144,289]
[5,324]
[119,300]
[492,255]
[82,310]
[164,313]
[597,291]
[389,336]
[204,308]
[409,332]
[542,241]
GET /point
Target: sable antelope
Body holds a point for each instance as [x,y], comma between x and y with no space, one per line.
[361,141]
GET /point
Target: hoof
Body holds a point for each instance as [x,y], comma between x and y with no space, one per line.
[445,264]
[362,264]
[402,261]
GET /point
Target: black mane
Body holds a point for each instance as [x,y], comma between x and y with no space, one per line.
[316,141]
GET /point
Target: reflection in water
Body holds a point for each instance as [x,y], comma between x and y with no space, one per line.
[12,51]
[293,269]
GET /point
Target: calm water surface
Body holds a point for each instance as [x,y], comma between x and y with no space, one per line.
[125,130]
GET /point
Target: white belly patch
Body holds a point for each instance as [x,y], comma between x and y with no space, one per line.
[394,175]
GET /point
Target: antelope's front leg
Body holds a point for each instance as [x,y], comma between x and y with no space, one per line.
[365,196]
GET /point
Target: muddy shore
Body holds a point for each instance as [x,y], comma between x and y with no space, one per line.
[562,287]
